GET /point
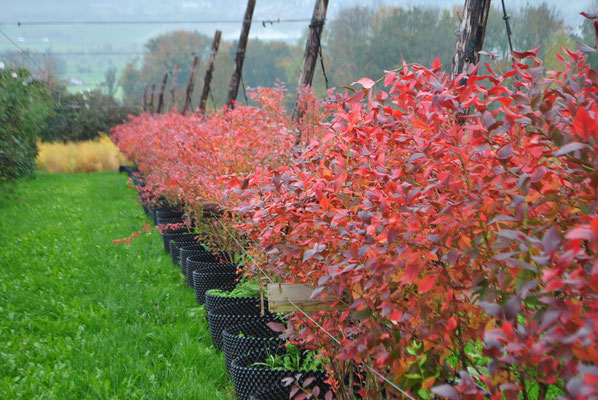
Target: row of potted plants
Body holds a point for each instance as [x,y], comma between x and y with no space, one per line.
[261,365]
[453,218]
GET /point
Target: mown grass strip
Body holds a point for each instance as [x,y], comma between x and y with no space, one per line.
[83,318]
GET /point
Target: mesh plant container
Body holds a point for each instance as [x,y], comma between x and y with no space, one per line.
[213,302]
[213,276]
[256,335]
[177,244]
[169,213]
[282,392]
[235,314]
[168,220]
[159,207]
[188,251]
[178,233]
[251,381]
[196,260]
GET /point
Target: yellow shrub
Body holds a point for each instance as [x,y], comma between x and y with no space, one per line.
[89,156]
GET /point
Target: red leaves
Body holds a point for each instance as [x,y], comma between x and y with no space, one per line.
[439,227]
[584,125]
[425,284]
[366,83]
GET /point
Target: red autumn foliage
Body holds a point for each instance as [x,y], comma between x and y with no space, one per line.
[458,223]
[184,157]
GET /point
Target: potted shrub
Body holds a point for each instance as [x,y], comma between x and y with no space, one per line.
[234,314]
[240,340]
[246,291]
[201,260]
[267,368]
[206,276]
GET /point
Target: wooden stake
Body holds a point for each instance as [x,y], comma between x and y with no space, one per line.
[173,86]
[151,104]
[145,97]
[161,96]
[190,85]
[471,35]
[235,79]
[208,78]
[299,295]
[310,56]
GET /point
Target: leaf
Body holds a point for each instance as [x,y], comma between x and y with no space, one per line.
[589,15]
[584,125]
[583,232]
[500,218]
[551,240]
[512,307]
[276,327]
[366,83]
[569,148]
[426,284]
[584,48]
[411,273]
[505,152]
[446,391]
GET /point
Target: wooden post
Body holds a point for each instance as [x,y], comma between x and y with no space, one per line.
[190,85]
[233,87]
[145,97]
[161,96]
[471,35]
[151,104]
[310,56]
[173,86]
[283,297]
[209,71]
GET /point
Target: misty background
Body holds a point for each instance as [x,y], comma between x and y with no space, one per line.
[361,38]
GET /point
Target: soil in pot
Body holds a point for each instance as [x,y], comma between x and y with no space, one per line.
[244,292]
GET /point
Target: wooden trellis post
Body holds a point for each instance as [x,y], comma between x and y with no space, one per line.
[145,97]
[190,85]
[286,297]
[175,73]
[235,79]
[151,104]
[471,35]
[208,78]
[161,96]
[310,56]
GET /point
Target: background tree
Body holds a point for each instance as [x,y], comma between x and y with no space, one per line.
[110,80]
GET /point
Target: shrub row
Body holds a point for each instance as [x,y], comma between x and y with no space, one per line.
[456,223]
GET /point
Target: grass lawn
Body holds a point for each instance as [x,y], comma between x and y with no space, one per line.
[83,318]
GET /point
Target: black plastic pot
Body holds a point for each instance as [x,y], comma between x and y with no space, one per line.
[251,381]
[188,251]
[167,236]
[214,302]
[256,336]
[213,276]
[168,213]
[177,244]
[196,261]
[168,221]
[235,314]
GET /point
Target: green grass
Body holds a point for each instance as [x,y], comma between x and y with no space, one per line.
[83,318]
